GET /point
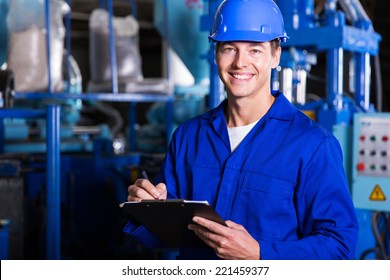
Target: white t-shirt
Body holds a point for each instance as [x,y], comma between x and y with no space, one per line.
[238,133]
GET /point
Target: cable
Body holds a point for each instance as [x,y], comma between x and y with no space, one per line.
[378,83]
[380,226]
[383,236]
[114,114]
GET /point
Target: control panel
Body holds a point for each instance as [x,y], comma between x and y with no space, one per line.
[371,161]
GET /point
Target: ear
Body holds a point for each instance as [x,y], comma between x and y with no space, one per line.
[276,58]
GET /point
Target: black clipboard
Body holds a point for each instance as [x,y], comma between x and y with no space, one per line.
[169,219]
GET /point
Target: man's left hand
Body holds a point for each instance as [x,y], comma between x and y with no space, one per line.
[232,242]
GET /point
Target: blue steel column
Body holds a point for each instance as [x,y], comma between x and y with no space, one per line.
[53,228]
[362,83]
[289,10]
[2,133]
[335,79]
[215,82]
[334,61]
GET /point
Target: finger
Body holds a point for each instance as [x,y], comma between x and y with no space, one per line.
[234,225]
[133,198]
[131,194]
[138,194]
[146,189]
[139,191]
[210,225]
[204,234]
[162,188]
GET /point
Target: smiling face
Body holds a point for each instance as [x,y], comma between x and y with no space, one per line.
[245,67]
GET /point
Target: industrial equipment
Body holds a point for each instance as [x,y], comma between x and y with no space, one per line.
[370,183]
[65,166]
[345,34]
[342,35]
[370,180]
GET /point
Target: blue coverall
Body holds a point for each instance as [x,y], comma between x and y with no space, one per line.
[285,183]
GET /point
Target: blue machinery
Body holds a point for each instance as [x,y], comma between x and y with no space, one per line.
[344,112]
[103,156]
[352,119]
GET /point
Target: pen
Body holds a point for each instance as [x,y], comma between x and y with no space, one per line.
[145,175]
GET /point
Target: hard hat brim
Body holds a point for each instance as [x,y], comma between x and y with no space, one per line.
[249,36]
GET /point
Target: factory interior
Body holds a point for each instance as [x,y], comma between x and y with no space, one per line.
[81,117]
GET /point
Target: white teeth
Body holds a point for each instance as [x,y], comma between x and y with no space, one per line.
[241,77]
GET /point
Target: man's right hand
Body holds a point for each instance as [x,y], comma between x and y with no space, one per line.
[144,189]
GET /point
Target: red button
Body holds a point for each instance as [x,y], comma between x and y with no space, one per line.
[362,138]
[385,138]
[360,166]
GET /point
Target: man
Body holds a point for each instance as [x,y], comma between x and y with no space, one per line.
[275,175]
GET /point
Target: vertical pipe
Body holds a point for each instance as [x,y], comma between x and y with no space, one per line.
[48,47]
[300,97]
[361,12]
[335,79]
[306,13]
[134,10]
[53,239]
[286,86]
[362,86]
[53,217]
[169,114]
[166,44]
[2,133]
[68,44]
[111,38]
[289,10]
[215,82]
[297,13]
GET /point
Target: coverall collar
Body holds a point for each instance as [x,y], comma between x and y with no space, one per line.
[282,109]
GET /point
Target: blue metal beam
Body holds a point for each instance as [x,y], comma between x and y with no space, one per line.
[53,213]
[329,37]
[122,97]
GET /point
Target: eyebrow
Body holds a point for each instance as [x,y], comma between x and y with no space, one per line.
[251,44]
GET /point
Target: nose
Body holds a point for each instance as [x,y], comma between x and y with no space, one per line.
[240,59]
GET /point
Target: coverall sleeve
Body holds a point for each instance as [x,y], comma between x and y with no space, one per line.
[328,226]
[143,235]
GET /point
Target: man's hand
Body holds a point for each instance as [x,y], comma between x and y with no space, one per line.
[144,189]
[231,243]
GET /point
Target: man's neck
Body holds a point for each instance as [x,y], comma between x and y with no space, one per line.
[244,111]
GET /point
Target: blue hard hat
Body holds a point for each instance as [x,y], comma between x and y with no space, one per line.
[248,20]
